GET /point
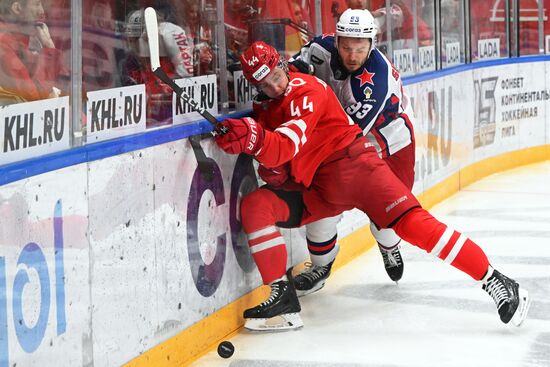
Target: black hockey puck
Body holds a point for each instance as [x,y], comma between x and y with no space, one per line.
[226,349]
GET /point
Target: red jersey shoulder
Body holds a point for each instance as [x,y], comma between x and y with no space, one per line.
[305,95]
[302,85]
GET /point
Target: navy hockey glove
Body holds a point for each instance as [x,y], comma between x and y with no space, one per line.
[301,66]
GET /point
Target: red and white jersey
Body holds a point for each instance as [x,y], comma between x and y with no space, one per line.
[372,95]
[304,127]
[175,44]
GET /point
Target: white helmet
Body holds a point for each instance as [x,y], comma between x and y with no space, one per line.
[356,23]
[134,24]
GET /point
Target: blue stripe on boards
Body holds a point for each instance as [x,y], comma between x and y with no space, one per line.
[407,80]
[87,153]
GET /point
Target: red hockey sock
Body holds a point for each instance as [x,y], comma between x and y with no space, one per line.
[420,228]
[260,210]
[269,252]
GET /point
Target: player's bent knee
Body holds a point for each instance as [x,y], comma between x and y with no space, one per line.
[257,210]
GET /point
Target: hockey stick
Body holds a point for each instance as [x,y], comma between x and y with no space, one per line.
[152,29]
[205,165]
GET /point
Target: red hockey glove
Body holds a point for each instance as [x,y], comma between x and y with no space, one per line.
[244,136]
[274,176]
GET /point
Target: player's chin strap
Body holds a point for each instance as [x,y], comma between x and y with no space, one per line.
[260,97]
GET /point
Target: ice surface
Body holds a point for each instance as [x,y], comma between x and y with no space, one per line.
[436,316]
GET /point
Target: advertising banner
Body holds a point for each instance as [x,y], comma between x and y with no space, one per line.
[244,91]
[116,112]
[202,89]
[510,107]
[452,53]
[33,129]
[488,48]
[426,59]
[403,61]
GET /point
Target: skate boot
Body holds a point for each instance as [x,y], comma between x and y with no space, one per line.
[393,262]
[312,278]
[512,302]
[279,312]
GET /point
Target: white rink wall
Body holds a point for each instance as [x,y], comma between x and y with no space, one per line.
[466,117]
[103,260]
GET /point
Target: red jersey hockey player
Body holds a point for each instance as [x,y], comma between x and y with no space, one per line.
[303,131]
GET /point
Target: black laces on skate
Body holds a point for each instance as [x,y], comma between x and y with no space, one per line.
[392,258]
[497,290]
[275,291]
[314,272]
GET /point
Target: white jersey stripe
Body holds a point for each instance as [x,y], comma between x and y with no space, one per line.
[301,124]
[262,232]
[456,249]
[443,240]
[291,134]
[277,241]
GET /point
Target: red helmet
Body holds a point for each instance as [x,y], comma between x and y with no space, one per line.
[258,61]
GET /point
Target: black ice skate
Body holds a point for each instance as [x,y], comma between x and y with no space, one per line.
[312,278]
[393,262]
[278,313]
[512,302]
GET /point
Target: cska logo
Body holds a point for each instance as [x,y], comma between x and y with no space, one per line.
[368,92]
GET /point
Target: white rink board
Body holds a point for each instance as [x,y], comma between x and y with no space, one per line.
[501,132]
[441,128]
[148,243]
[144,267]
[32,129]
[44,261]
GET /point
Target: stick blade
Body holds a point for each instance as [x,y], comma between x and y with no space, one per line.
[151,25]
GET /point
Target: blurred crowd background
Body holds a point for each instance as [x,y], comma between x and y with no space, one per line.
[53,48]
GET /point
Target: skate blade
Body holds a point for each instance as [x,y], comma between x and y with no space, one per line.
[523,307]
[284,322]
[315,288]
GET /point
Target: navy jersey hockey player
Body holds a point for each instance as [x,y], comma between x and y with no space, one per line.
[369,88]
